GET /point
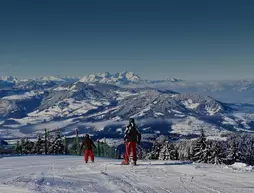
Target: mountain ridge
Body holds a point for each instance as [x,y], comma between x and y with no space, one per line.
[97,107]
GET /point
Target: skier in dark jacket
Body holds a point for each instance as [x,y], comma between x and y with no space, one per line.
[89,145]
[132,137]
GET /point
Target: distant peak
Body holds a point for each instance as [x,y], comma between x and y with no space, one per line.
[8,79]
[174,80]
[116,78]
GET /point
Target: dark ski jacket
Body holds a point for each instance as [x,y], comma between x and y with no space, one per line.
[132,134]
[88,144]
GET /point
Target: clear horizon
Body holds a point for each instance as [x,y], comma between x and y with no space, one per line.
[194,40]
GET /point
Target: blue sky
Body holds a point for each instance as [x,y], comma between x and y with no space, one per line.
[156,39]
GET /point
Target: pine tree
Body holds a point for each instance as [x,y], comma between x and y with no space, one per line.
[185,149]
[235,154]
[59,144]
[65,146]
[168,152]
[50,141]
[249,152]
[27,146]
[157,145]
[164,153]
[173,152]
[216,153]
[200,150]
[56,145]
[141,152]
[39,146]
[203,155]
[18,148]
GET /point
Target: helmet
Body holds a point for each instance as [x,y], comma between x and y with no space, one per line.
[86,136]
[132,120]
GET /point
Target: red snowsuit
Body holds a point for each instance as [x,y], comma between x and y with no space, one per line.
[89,144]
[130,147]
[131,138]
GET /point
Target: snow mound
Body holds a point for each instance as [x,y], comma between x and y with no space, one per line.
[241,167]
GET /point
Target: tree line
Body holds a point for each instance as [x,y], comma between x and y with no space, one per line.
[237,147]
[55,144]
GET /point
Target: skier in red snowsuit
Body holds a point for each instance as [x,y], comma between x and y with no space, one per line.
[89,145]
[132,137]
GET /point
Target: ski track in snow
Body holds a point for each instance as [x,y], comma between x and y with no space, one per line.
[69,174]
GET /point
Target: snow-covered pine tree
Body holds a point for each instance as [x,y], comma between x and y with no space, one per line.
[173,152]
[249,152]
[141,152]
[245,146]
[65,146]
[165,152]
[240,148]
[185,149]
[217,155]
[50,142]
[27,146]
[157,145]
[168,152]
[57,145]
[18,148]
[203,155]
[200,150]
[235,155]
[39,146]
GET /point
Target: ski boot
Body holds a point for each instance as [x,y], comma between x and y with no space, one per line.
[125,163]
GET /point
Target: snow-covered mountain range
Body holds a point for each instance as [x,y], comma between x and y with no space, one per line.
[118,78]
[233,91]
[121,78]
[28,107]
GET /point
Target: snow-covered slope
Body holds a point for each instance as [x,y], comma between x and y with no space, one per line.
[30,85]
[18,105]
[154,103]
[47,174]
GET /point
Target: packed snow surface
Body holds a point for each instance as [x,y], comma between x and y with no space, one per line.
[50,174]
